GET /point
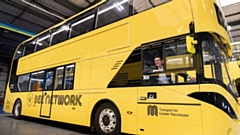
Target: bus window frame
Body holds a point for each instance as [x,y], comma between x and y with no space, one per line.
[67,24]
[37,41]
[43,83]
[22,51]
[153,45]
[97,14]
[63,76]
[45,79]
[162,44]
[28,81]
[95,22]
[25,45]
[78,18]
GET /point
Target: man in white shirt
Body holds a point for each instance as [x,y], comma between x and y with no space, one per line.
[163,79]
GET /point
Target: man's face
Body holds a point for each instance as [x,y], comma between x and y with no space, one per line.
[158,62]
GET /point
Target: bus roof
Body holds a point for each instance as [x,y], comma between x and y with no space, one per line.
[64,21]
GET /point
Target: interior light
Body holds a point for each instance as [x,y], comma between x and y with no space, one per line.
[40,44]
[116,5]
[229,27]
[38,80]
[177,59]
[119,9]
[83,20]
[19,52]
[66,28]
[38,72]
[63,28]
[70,66]
[113,6]
[60,68]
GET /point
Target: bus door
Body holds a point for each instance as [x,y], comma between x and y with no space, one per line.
[47,94]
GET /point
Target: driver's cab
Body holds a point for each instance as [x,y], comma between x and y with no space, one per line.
[177,64]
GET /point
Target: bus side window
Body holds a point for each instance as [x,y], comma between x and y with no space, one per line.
[19,52]
[112,11]
[177,57]
[142,5]
[29,47]
[36,81]
[59,78]
[43,41]
[49,80]
[23,81]
[60,34]
[69,77]
[82,24]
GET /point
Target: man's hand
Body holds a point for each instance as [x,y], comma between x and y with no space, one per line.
[156,70]
[192,78]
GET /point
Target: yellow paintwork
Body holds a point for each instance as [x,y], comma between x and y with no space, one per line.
[190,42]
[96,52]
[209,122]
[235,71]
[234,65]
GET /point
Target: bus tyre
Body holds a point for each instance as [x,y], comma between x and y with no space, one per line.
[17,109]
[107,120]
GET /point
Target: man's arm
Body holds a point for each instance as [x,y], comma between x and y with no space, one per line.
[148,70]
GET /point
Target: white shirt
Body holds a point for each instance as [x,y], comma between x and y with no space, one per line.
[162,77]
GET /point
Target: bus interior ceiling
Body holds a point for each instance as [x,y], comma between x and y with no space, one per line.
[22,19]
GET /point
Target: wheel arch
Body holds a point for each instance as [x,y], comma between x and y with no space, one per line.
[15,103]
[95,109]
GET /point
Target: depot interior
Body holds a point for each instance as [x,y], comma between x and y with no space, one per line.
[21,19]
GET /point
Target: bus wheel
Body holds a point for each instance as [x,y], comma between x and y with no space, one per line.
[17,109]
[107,120]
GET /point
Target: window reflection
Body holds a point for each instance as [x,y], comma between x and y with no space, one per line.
[178,57]
[111,11]
[29,47]
[142,5]
[60,34]
[59,78]
[168,63]
[19,52]
[43,41]
[83,24]
[36,81]
[69,77]
[23,81]
[49,80]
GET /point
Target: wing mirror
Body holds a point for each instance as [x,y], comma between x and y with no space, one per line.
[190,42]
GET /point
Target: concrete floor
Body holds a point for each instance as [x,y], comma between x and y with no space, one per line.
[31,126]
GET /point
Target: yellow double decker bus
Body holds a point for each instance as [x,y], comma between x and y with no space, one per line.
[89,70]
